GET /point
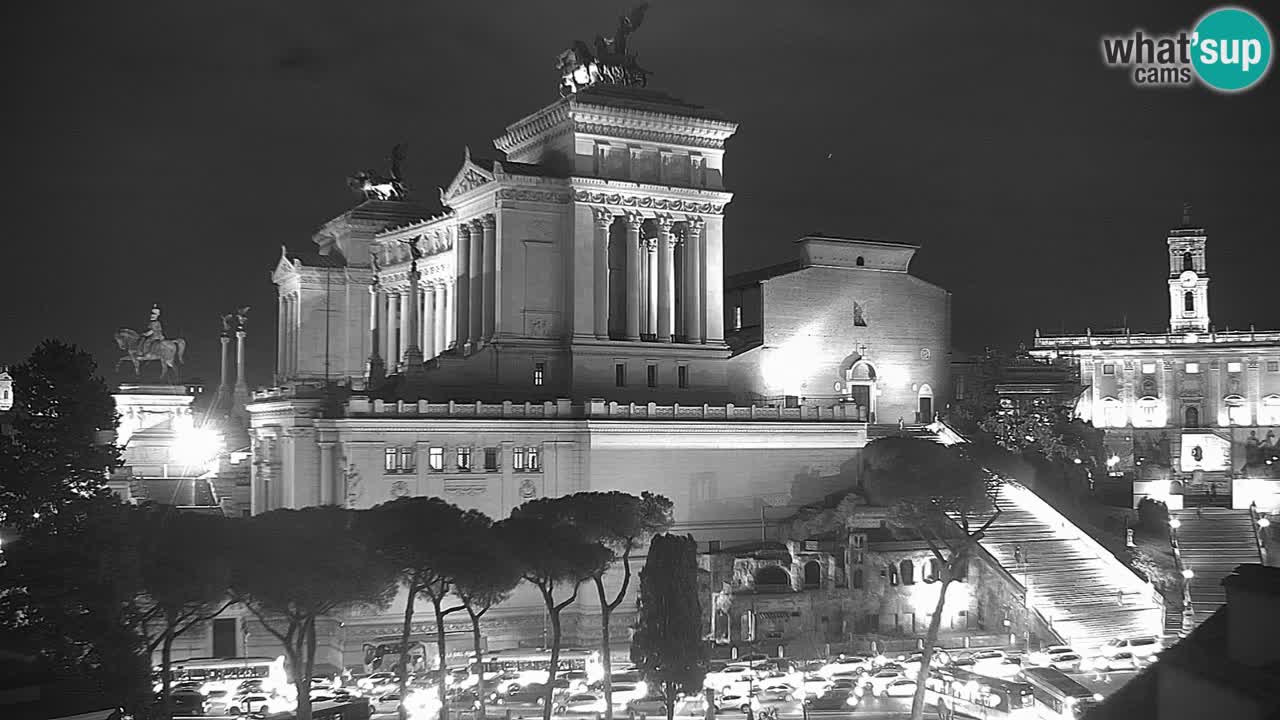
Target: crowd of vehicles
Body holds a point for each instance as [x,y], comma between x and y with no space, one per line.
[987,683]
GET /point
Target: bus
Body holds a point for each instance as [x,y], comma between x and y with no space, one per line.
[1058,696]
[228,673]
[505,670]
[960,693]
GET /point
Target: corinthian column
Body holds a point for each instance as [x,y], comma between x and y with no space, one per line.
[393,322]
[634,295]
[604,219]
[412,333]
[440,326]
[693,280]
[429,346]
[651,287]
[461,265]
[377,370]
[475,274]
[490,276]
[666,281]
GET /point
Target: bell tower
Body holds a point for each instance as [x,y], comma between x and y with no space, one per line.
[1188,277]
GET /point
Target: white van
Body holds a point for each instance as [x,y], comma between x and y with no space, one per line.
[1144,646]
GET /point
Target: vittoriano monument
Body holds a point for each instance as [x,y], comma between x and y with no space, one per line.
[375,186]
[609,63]
[151,344]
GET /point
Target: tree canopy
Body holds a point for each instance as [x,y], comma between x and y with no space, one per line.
[58,450]
[668,647]
[294,567]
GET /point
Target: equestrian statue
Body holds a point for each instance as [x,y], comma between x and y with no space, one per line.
[151,344]
[375,186]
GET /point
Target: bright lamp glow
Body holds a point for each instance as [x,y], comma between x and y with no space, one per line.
[1175,523]
[1188,573]
[196,446]
[1264,522]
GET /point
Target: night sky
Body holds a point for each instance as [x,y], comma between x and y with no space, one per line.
[162,152]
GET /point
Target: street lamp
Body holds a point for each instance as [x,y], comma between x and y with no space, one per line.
[1264,522]
[1175,523]
[1187,573]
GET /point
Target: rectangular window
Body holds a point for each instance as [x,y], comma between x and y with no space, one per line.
[1108,369]
[534,458]
[389,460]
[1148,368]
[399,460]
[1192,368]
[490,459]
[959,391]
[408,460]
[1273,366]
[539,373]
[651,375]
[620,374]
[464,458]
[517,459]
[737,317]
[436,459]
[1235,367]
[682,376]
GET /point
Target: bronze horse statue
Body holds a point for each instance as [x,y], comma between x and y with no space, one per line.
[168,352]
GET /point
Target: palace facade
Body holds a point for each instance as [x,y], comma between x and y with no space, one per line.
[562,324]
[1194,409]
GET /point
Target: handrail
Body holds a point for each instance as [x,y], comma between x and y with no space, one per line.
[1255,518]
[1010,577]
[1188,610]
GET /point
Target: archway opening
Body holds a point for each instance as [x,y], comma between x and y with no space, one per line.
[812,574]
[772,577]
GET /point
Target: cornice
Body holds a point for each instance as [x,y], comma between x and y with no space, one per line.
[644,196]
[533,127]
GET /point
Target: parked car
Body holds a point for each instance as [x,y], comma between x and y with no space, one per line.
[186,702]
[1066,662]
[253,703]
[846,663]
[387,703]
[844,684]
[834,700]
[580,703]
[217,702]
[729,702]
[899,688]
[1119,661]
[371,682]
[730,676]
[814,685]
[877,681]
[1141,647]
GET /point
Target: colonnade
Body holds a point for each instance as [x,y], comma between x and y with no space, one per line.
[432,331]
[287,327]
[651,281]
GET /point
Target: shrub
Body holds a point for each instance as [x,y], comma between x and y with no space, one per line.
[1153,515]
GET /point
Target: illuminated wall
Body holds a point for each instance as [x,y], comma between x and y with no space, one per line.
[830,323]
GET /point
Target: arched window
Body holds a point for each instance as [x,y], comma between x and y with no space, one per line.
[1191,417]
[1237,410]
[1188,261]
[1269,413]
[859,262]
[1189,302]
[858,579]
[812,574]
[862,371]
[772,576]
[1150,413]
[908,572]
[1113,414]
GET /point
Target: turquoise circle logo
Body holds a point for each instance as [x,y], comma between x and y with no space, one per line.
[1231,49]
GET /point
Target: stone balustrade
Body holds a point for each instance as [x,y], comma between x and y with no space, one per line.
[598,409]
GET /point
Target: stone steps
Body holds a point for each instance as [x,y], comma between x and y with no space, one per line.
[1213,542]
[1088,598]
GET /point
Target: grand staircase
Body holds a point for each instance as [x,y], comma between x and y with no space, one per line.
[1086,594]
[1213,542]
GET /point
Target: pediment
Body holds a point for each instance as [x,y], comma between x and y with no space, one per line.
[284,267]
[470,176]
